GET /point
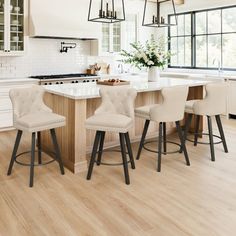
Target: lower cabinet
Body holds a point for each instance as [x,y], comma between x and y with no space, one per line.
[6,111]
[232,98]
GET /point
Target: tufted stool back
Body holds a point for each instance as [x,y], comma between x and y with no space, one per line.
[26,101]
[117,100]
[172,107]
[214,102]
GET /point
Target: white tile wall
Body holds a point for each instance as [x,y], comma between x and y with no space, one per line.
[43,57]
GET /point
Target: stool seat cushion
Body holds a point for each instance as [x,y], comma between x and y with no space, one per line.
[214,102]
[39,121]
[144,111]
[189,106]
[109,122]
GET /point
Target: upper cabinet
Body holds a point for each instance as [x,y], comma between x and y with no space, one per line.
[59,18]
[12,27]
[117,36]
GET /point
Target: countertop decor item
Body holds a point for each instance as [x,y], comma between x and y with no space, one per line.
[107,11]
[155,17]
[95,69]
[152,55]
[113,82]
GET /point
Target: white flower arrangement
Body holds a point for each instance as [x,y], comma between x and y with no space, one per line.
[152,53]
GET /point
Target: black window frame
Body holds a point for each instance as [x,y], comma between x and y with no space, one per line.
[194,35]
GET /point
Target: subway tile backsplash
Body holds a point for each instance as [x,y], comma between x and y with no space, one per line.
[43,57]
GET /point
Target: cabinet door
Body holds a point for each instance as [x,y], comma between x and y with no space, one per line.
[118,36]
[16,30]
[2,28]
[106,35]
[232,98]
[12,22]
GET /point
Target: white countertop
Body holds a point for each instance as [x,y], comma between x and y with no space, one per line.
[18,80]
[91,90]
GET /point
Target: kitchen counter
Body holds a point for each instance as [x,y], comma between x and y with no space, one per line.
[91,90]
[18,81]
[77,102]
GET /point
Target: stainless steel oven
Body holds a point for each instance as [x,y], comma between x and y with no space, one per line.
[66,78]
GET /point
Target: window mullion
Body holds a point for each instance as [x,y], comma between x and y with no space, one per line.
[193,39]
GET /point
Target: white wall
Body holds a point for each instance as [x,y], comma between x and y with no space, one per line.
[43,57]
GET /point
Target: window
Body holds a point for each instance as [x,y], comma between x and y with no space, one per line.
[118,36]
[204,39]
[180,41]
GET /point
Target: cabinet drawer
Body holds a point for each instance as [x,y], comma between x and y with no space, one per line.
[6,119]
[5,103]
[4,90]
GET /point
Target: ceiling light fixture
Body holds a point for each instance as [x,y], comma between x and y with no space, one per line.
[156,19]
[109,11]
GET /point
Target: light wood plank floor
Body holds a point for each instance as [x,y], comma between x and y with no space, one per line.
[199,200]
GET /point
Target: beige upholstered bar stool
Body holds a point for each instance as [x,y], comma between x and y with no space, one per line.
[170,110]
[214,104]
[33,116]
[116,114]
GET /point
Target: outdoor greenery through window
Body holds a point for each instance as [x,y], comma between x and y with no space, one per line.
[204,39]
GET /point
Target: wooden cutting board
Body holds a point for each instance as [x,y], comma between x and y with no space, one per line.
[106,82]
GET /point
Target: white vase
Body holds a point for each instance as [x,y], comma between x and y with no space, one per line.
[153,74]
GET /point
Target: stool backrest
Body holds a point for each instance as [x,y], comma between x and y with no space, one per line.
[172,106]
[27,100]
[117,100]
[215,101]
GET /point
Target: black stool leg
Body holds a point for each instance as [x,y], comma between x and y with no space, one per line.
[197,124]
[182,142]
[159,147]
[128,144]
[211,138]
[145,129]
[187,126]
[31,183]
[13,157]
[100,151]
[186,129]
[220,127]
[93,156]
[57,150]
[39,147]
[123,153]
[164,138]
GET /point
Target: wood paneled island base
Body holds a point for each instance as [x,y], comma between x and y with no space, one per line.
[76,142]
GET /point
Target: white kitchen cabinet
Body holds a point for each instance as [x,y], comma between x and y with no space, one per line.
[12,27]
[6,112]
[232,98]
[116,37]
[63,19]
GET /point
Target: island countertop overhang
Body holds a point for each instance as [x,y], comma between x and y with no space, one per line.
[91,90]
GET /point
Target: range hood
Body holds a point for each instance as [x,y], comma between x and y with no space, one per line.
[61,20]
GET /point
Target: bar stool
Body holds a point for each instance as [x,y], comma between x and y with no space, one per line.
[214,104]
[116,114]
[33,116]
[170,110]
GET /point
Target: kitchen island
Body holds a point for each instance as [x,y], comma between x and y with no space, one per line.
[77,102]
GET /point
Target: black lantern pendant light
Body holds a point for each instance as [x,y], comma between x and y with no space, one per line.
[108,11]
[155,18]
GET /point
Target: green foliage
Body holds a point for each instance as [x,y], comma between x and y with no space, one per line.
[152,53]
